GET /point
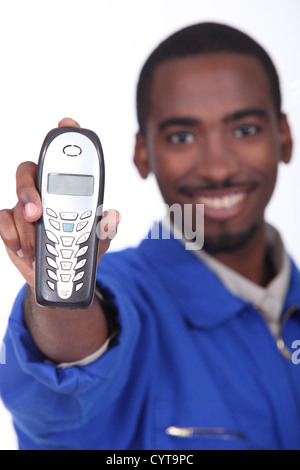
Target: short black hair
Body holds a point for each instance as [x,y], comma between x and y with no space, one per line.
[196,39]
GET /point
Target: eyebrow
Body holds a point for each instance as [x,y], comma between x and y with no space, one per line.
[234,116]
[248,112]
[177,121]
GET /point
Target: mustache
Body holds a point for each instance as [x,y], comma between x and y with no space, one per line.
[218,185]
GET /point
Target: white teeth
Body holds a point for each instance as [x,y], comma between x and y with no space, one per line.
[226,202]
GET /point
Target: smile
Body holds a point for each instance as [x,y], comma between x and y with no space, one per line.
[221,204]
[225,202]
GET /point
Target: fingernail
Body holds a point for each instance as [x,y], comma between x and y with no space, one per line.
[20,254]
[113,233]
[33,264]
[30,209]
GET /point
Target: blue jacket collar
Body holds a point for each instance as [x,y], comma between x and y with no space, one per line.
[293,296]
[203,299]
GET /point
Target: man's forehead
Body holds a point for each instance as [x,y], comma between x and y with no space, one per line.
[209,80]
[213,64]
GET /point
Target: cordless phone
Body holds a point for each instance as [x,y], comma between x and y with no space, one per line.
[70,180]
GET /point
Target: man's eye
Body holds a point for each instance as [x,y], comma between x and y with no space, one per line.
[181,138]
[246,130]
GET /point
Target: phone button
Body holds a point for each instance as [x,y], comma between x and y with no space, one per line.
[55,224]
[68,227]
[52,263]
[63,291]
[51,285]
[82,251]
[80,264]
[81,225]
[65,277]
[79,286]
[51,213]
[67,241]
[51,249]
[66,254]
[66,266]
[78,276]
[52,275]
[83,238]
[86,214]
[72,150]
[51,236]
[68,215]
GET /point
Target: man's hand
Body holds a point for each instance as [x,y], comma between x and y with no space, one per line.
[62,335]
[17,228]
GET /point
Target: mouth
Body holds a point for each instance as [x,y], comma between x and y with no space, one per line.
[220,204]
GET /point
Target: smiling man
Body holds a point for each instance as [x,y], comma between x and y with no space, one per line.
[215,135]
[180,349]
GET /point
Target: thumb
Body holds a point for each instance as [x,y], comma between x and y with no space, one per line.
[107,230]
[68,122]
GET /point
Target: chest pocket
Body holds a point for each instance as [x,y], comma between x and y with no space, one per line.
[182,429]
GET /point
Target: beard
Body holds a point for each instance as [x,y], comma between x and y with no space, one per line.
[228,242]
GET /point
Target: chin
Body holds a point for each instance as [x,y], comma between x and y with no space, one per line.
[229,242]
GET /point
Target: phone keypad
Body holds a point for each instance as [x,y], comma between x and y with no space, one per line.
[65,267]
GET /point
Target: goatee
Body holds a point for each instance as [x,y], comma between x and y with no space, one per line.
[228,242]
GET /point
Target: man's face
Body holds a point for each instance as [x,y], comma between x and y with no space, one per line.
[213,138]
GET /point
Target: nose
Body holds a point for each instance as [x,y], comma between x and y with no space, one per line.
[217,161]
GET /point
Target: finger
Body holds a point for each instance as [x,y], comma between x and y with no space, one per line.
[108,230]
[68,122]
[8,231]
[27,192]
[26,233]
[10,237]
[25,270]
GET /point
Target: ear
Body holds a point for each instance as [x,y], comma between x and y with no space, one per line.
[140,156]
[285,139]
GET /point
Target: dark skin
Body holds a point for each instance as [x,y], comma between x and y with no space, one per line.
[213,136]
[191,160]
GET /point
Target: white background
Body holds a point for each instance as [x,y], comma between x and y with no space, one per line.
[81,59]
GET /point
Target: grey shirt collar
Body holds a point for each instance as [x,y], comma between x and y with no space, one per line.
[268,300]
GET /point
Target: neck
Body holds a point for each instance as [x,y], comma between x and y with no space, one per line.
[251,261]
